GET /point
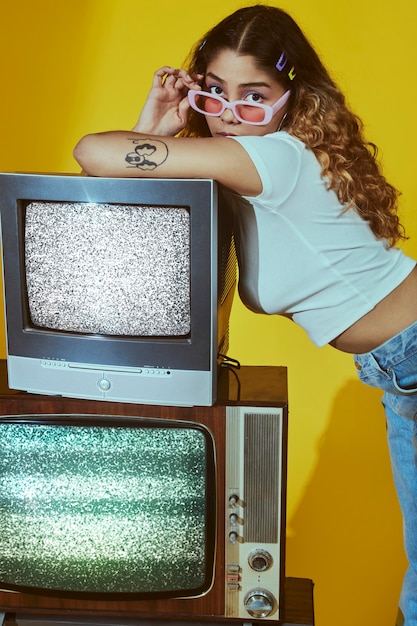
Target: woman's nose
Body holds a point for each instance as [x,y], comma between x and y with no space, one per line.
[229,117]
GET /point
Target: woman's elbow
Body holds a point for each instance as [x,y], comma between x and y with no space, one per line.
[84,155]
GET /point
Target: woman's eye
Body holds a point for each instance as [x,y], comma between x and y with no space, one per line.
[254,97]
[215,89]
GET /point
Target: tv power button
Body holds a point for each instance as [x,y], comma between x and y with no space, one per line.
[104,384]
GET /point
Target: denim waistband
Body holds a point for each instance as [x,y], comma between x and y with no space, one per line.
[392,366]
[394,350]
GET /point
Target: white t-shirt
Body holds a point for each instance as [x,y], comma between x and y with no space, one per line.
[299,254]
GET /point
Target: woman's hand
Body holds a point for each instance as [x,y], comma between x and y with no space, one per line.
[165,111]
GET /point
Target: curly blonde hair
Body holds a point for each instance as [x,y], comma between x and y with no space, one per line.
[317,112]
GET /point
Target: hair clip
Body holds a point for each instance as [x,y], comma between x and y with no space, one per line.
[201,46]
[280,65]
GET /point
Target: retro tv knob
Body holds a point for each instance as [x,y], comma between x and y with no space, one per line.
[259,603]
[233,500]
[260,560]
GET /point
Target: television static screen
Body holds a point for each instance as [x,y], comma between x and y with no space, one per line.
[102,509]
[108,269]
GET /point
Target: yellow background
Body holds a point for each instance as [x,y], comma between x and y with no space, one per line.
[78,66]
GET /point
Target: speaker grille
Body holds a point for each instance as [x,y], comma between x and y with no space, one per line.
[262,477]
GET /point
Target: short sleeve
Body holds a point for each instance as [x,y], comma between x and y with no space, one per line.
[277,158]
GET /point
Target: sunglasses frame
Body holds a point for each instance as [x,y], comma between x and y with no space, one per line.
[269,110]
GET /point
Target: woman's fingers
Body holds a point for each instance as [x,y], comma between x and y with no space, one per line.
[177,78]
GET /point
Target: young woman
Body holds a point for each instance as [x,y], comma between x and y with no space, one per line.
[316,221]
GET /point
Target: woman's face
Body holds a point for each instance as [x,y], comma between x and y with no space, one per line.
[236,77]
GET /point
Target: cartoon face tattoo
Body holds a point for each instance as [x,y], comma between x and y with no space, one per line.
[148,154]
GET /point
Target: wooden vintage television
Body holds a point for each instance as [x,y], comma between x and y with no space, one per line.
[137,511]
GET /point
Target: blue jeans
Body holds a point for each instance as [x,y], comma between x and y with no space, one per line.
[393,368]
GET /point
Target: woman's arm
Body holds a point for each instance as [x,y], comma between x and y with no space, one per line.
[130,154]
[152,150]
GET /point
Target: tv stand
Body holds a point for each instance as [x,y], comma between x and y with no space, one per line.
[299,612]
[247,386]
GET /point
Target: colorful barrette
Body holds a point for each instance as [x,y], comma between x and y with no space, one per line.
[281,64]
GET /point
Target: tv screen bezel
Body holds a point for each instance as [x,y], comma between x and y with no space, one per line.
[211,497]
[198,195]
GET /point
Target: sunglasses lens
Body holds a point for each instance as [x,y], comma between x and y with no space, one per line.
[250,113]
[207,104]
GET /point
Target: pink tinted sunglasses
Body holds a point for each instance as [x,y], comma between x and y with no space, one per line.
[247,112]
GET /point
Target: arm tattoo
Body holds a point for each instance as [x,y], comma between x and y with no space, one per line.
[148,154]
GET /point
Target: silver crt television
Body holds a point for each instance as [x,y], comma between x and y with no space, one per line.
[116,289]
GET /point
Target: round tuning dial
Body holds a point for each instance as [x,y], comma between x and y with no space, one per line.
[259,603]
[260,560]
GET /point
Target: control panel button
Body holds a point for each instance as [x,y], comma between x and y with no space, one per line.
[233,500]
[104,384]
